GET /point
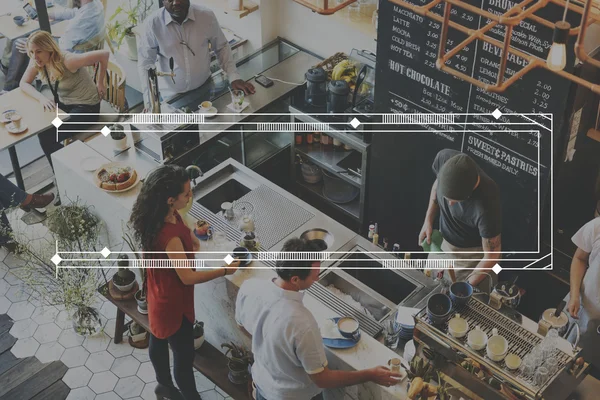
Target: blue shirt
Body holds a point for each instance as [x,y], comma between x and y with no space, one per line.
[286,340]
[86,23]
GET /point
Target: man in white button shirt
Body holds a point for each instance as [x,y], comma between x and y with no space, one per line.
[184,31]
[289,358]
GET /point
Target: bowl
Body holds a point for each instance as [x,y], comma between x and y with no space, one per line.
[458,327]
[439,307]
[311,173]
[320,237]
[512,361]
[477,339]
[461,292]
[19,20]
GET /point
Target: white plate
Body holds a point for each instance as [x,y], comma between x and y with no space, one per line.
[211,112]
[12,129]
[116,164]
[91,164]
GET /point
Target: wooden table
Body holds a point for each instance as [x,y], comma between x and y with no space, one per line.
[9,29]
[34,116]
[208,360]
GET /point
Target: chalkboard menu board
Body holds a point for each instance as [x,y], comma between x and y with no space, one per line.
[519,161]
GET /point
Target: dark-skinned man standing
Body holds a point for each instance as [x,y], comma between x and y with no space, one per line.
[468,202]
[184,32]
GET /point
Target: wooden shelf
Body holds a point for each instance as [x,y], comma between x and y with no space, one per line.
[249,7]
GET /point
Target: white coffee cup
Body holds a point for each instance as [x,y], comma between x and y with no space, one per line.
[497,346]
[205,106]
[16,120]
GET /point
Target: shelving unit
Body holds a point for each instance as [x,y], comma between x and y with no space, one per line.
[332,160]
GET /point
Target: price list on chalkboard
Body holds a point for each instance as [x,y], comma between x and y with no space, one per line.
[517,157]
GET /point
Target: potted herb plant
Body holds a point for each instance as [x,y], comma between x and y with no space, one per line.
[124,278]
[239,360]
[140,295]
[121,24]
[198,334]
[70,230]
[138,336]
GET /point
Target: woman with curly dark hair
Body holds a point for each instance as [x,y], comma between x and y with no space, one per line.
[160,229]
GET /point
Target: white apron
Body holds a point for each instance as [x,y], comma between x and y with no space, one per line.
[588,239]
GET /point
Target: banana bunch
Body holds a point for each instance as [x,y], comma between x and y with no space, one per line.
[344,70]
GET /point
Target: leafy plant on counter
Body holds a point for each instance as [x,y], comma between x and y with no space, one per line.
[239,358]
[75,232]
[134,12]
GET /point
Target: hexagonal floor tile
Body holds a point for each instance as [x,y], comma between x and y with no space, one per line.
[212,395]
[141,355]
[100,362]
[4,304]
[103,382]
[109,328]
[75,357]
[25,347]
[220,391]
[129,387]
[108,396]
[148,391]
[202,383]
[97,342]
[69,338]
[4,286]
[47,333]
[125,366]
[121,349]
[82,393]
[44,314]
[63,320]
[49,352]
[109,310]
[20,310]
[77,377]
[3,270]
[14,261]
[13,277]
[146,372]
[18,293]
[23,329]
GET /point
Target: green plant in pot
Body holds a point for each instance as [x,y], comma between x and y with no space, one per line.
[124,278]
[69,231]
[198,334]
[238,361]
[140,295]
[137,333]
[121,24]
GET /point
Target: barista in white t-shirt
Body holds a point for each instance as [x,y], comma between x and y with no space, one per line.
[584,297]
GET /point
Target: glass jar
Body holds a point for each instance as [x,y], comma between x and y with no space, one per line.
[309,138]
[325,139]
[299,138]
[317,137]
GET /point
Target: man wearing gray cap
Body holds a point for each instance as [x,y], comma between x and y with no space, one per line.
[470,216]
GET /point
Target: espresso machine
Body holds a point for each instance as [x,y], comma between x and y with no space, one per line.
[494,380]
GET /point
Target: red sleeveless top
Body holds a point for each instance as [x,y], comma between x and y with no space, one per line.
[169,300]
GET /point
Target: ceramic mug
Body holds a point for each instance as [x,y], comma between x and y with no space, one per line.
[205,106]
[16,120]
[19,20]
[497,346]
[477,339]
[458,327]
[349,328]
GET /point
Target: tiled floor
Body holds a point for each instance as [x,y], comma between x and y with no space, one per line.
[99,369]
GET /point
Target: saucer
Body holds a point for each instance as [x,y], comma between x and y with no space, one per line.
[91,164]
[343,343]
[244,105]
[211,112]
[12,129]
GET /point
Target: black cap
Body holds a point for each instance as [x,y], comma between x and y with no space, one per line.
[457,178]
[316,75]
[339,87]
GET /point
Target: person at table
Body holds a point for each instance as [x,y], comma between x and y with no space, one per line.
[84,31]
[583,300]
[468,202]
[158,227]
[71,85]
[289,358]
[184,32]
[10,196]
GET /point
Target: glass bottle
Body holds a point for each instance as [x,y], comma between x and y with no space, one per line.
[325,139]
[317,137]
[309,138]
[299,138]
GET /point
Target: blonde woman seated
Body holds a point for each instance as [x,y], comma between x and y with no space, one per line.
[72,86]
